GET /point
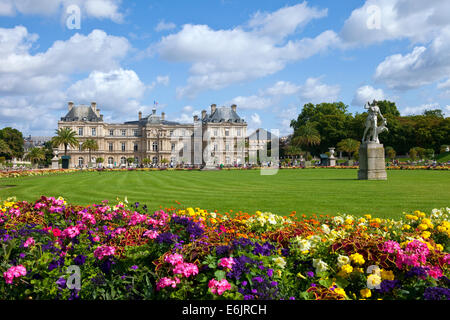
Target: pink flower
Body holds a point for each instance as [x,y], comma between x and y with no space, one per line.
[186,269]
[435,272]
[87,217]
[166,282]
[151,234]
[218,287]
[71,232]
[391,246]
[226,262]
[14,272]
[29,242]
[104,251]
[174,259]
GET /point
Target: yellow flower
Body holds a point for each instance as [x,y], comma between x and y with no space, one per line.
[340,291]
[422,226]
[373,280]
[426,234]
[441,229]
[368,216]
[406,227]
[439,247]
[366,293]
[387,275]
[357,258]
[347,268]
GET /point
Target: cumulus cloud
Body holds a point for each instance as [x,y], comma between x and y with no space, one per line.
[315,91]
[255,120]
[100,9]
[419,109]
[219,58]
[367,93]
[162,80]
[422,66]
[380,20]
[113,90]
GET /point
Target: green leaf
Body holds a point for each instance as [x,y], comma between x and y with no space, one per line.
[220,274]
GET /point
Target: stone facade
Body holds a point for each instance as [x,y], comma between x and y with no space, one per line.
[217,138]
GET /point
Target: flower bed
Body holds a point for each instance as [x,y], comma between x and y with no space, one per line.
[125,252]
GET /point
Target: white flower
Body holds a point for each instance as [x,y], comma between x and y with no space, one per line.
[325,229]
[342,260]
[320,265]
[338,220]
[280,262]
[304,245]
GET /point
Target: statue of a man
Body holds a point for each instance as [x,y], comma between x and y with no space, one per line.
[371,123]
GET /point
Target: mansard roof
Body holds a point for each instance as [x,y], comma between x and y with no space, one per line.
[223,114]
[82,113]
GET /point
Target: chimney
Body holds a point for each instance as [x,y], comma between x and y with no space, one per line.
[154,111]
[94,106]
[70,104]
[195,118]
[163,115]
[213,108]
[203,114]
[233,107]
[140,115]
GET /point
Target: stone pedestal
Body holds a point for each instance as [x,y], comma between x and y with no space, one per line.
[55,163]
[372,165]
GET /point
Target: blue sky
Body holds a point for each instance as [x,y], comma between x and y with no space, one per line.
[268,57]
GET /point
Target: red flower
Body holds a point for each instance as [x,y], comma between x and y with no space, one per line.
[56,232]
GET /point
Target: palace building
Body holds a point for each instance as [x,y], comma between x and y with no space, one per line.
[214,138]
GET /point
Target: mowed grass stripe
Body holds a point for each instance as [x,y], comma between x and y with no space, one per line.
[321,191]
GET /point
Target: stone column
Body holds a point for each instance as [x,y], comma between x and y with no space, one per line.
[371,162]
[55,159]
[332,158]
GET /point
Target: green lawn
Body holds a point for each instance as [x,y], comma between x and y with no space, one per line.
[321,191]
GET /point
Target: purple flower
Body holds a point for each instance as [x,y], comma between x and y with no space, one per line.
[257,279]
[310,274]
[436,293]
[22,255]
[61,282]
[270,272]
[135,267]
[79,260]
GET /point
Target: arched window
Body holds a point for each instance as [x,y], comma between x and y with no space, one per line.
[155,146]
[123,160]
[80,161]
[155,160]
[111,160]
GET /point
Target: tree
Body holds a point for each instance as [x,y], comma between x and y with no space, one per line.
[14,139]
[390,152]
[413,154]
[146,161]
[348,145]
[130,160]
[5,150]
[99,160]
[434,113]
[66,137]
[91,145]
[306,135]
[35,155]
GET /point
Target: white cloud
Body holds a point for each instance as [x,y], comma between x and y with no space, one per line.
[188,109]
[255,120]
[100,9]
[254,102]
[422,66]
[116,90]
[219,58]
[419,109]
[163,80]
[283,88]
[315,91]
[416,20]
[367,93]
[164,26]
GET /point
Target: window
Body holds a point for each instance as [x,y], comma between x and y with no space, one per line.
[227,132]
[227,160]
[215,146]
[155,160]
[80,146]
[173,147]
[239,132]
[94,132]
[111,132]
[155,146]
[111,160]
[110,146]
[135,148]
[80,161]
[80,131]
[171,132]
[123,160]
[227,147]
[123,146]
[135,132]
[124,132]
[136,160]
[215,133]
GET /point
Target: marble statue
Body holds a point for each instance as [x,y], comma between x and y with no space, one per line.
[371,123]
